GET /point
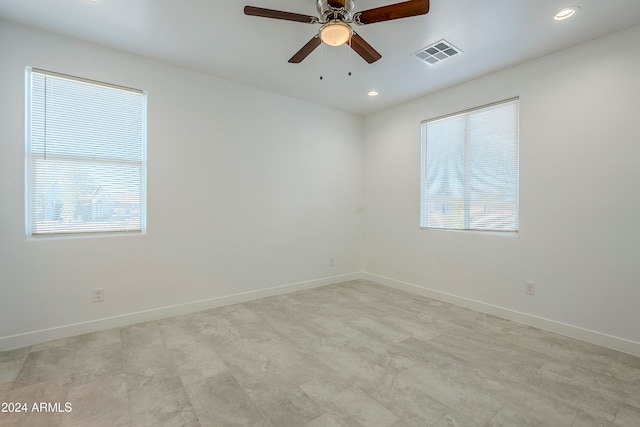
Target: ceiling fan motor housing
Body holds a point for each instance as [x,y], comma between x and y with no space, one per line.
[329,13]
[336,17]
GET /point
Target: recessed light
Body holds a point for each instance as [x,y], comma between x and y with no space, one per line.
[566,13]
[373,93]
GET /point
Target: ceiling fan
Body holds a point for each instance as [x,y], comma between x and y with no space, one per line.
[336,17]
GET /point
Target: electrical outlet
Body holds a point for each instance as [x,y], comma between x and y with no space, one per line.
[530,288]
[98,295]
[331,262]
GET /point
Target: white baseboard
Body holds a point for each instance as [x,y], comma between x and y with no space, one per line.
[65,331]
[598,338]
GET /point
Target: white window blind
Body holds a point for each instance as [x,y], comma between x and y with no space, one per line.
[470,169]
[85,156]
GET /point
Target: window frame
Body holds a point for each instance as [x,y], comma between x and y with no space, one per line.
[30,228]
[467,228]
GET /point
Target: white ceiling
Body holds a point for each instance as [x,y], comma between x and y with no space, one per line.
[215,37]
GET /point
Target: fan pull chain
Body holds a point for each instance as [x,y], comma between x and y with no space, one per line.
[322,61]
[349,57]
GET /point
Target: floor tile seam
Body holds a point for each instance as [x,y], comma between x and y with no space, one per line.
[65,388]
[453,413]
[596,387]
[300,313]
[126,383]
[616,414]
[449,409]
[410,333]
[556,356]
[57,377]
[488,423]
[82,421]
[244,392]
[477,335]
[17,372]
[410,380]
[429,395]
[399,351]
[164,398]
[26,349]
[350,383]
[510,360]
[513,359]
[392,347]
[328,410]
[633,362]
[269,322]
[195,411]
[167,354]
[610,375]
[566,405]
[636,407]
[571,402]
[239,383]
[633,407]
[318,330]
[307,324]
[238,380]
[359,329]
[185,393]
[348,378]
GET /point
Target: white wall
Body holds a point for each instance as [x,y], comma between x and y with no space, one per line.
[271,195]
[579,238]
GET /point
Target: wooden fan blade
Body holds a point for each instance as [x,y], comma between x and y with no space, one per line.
[394,11]
[306,50]
[278,14]
[364,49]
[337,3]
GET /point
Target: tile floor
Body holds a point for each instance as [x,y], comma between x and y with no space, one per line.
[350,354]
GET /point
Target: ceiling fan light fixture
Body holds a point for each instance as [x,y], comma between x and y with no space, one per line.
[335,33]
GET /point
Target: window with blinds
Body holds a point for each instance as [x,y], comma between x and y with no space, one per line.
[85,156]
[470,169]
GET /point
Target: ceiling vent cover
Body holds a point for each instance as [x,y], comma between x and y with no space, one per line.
[437,52]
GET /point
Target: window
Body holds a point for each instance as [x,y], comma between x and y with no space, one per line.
[470,169]
[85,156]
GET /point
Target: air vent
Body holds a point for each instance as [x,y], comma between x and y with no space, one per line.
[437,52]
